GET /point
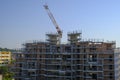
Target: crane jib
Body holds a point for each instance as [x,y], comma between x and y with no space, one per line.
[54,22]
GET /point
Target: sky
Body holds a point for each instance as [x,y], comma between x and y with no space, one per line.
[26,20]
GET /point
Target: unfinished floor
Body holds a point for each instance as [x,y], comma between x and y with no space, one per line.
[76,60]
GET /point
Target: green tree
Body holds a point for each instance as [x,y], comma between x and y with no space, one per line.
[7,74]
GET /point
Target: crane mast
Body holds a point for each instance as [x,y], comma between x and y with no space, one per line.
[54,22]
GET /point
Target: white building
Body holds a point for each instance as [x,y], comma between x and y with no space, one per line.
[117,63]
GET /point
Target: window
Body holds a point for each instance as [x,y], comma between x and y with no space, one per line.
[111,76]
[110,67]
[110,58]
[94,76]
[84,56]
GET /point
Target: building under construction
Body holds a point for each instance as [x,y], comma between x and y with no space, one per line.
[76,60]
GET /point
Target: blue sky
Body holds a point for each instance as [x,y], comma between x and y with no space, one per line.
[24,20]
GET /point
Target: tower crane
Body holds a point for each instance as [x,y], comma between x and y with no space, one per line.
[54,22]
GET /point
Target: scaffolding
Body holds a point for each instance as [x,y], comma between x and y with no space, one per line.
[52,38]
[74,37]
[78,60]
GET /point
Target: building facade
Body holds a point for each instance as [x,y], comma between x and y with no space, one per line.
[76,60]
[5,57]
[117,63]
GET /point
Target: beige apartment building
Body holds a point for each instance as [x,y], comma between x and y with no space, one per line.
[5,57]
